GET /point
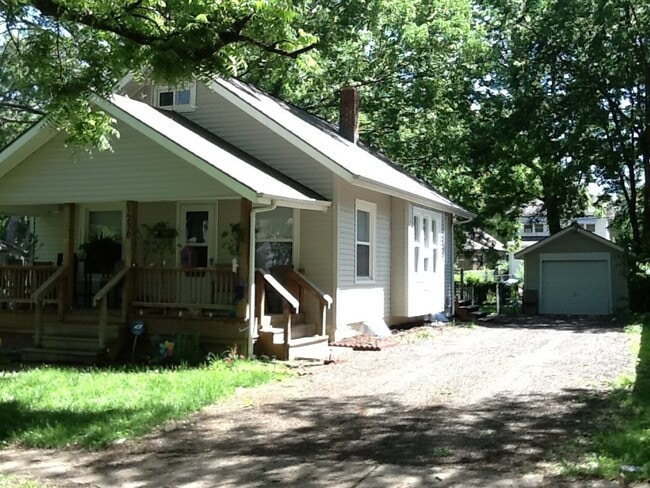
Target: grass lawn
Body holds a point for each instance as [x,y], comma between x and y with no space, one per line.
[55,407]
[622,443]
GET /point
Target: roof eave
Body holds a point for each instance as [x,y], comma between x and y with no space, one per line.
[419,199]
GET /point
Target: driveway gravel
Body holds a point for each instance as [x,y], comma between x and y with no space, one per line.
[442,406]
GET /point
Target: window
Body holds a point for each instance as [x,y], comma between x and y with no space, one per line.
[179,99]
[590,227]
[365,236]
[274,236]
[197,235]
[528,228]
[426,229]
[539,228]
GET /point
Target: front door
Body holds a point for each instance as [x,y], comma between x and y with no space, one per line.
[101,249]
[426,293]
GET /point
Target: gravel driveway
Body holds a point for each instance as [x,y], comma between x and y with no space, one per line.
[445,406]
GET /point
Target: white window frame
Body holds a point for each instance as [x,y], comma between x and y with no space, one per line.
[181,217]
[371,209]
[185,107]
[427,249]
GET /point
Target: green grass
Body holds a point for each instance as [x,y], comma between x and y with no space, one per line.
[621,443]
[16,482]
[55,407]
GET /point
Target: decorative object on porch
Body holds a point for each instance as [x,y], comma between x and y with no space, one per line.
[101,253]
[159,239]
[166,349]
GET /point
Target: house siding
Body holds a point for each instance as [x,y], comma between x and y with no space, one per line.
[449,250]
[50,233]
[224,119]
[358,301]
[317,256]
[399,257]
[574,243]
[138,169]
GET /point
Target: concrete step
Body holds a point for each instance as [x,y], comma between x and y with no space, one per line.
[60,356]
[315,347]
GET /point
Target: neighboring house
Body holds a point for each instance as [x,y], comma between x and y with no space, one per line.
[340,234]
[480,250]
[574,272]
[533,227]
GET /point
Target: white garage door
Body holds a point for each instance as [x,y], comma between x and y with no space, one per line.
[575,287]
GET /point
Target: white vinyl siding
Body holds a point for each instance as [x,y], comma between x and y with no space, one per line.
[317,256]
[358,300]
[227,121]
[150,213]
[50,233]
[138,169]
[399,256]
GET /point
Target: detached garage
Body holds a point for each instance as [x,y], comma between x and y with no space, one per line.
[574,272]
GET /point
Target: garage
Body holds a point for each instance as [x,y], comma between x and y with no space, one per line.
[574,272]
[575,287]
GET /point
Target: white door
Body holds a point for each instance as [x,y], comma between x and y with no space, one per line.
[575,287]
[197,236]
[426,276]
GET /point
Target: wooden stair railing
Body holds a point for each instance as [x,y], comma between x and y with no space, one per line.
[290,303]
[56,280]
[299,284]
[102,296]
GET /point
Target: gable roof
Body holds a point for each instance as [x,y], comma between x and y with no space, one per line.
[247,176]
[559,235]
[354,163]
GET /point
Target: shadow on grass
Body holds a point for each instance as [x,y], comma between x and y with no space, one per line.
[41,428]
[325,442]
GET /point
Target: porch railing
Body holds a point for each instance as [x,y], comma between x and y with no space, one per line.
[293,297]
[52,290]
[203,288]
[299,284]
[102,297]
[18,283]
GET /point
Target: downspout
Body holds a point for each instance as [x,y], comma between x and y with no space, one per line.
[251,271]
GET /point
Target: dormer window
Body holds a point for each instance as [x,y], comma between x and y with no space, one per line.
[178,99]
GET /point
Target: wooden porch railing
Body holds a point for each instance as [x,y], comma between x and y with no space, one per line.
[290,303]
[18,283]
[297,286]
[205,288]
[52,290]
[102,297]
[300,284]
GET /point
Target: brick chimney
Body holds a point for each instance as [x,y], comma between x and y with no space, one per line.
[349,114]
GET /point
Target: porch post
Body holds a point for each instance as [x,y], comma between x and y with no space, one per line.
[244,244]
[131,255]
[69,254]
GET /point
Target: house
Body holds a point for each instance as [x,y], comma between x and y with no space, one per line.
[574,272]
[533,227]
[480,250]
[226,213]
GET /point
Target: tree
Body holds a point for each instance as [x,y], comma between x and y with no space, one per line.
[55,53]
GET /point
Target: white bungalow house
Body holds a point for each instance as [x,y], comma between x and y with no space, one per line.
[332,232]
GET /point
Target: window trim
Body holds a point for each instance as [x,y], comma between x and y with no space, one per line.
[191,107]
[371,209]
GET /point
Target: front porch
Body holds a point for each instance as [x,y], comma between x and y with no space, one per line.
[169,302]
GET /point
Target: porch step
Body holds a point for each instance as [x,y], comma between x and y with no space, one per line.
[82,330]
[464,312]
[65,356]
[313,347]
[297,331]
[276,320]
[70,343]
[90,317]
